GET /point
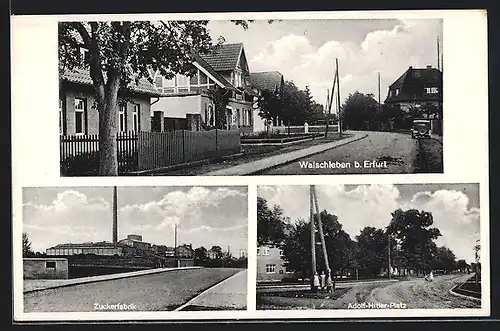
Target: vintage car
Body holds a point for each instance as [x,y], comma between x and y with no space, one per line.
[421,129]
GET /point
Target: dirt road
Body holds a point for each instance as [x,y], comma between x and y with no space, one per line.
[408,294]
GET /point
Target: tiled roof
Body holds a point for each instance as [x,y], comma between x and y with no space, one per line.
[225,57]
[268,80]
[82,76]
[412,84]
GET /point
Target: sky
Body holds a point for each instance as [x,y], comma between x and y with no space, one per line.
[455,208]
[305,50]
[205,216]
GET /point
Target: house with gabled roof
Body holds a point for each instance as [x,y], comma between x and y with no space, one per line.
[186,100]
[417,87]
[78,113]
[271,81]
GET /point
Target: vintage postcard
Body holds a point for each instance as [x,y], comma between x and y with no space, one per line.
[259,165]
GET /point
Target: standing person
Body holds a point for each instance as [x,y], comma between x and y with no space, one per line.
[329,282]
[323,279]
[316,283]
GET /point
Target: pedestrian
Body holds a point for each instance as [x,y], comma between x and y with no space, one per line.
[431,276]
[330,286]
[323,279]
[316,283]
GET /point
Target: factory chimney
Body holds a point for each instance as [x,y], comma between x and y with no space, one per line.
[115,217]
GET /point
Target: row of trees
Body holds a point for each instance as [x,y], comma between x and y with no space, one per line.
[293,105]
[362,112]
[220,258]
[408,240]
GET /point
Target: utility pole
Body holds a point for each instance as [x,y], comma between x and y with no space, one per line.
[327,111]
[338,97]
[331,97]
[379,105]
[175,246]
[322,237]
[389,255]
[313,244]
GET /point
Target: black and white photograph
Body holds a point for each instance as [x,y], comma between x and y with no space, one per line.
[251,97]
[351,247]
[111,249]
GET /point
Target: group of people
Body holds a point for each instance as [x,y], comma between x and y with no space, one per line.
[323,282]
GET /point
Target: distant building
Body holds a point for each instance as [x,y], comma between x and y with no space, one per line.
[170,252]
[184,251]
[211,255]
[98,248]
[243,253]
[134,240]
[270,264]
[270,81]
[416,88]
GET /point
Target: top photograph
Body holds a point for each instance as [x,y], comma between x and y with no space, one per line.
[250,97]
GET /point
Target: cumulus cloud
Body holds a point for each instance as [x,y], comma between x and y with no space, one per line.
[388,51]
[372,205]
[72,216]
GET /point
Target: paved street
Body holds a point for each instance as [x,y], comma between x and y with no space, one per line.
[396,149]
[410,294]
[153,292]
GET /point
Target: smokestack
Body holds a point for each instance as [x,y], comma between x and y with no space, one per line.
[115,217]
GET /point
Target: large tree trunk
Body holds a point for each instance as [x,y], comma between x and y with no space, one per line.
[108,120]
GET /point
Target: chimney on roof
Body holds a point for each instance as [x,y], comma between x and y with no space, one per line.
[411,67]
[429,66]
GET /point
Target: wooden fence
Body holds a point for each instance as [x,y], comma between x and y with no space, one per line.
[164,149]
[138,151]
[80,153]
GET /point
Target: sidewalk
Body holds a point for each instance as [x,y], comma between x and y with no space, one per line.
[32,285]
[230,293]
[276,160]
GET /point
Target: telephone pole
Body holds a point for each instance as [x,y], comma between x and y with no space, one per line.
[338,97]
[115,215]
[322,236]
[438,57]
[389,255]
[327,111]
[313,241]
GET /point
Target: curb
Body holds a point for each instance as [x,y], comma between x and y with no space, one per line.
[111,277]
[190,301]
[301,157]
[280,163]
[463,295]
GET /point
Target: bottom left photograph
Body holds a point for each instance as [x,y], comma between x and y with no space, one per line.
[134,248]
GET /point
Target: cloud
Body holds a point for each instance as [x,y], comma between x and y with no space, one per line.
[388,51]
[73,216]
[372,205]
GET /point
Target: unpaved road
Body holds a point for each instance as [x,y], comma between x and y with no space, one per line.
[409,294]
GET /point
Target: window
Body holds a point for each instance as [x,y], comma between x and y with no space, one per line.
[50,264]
[258,250]
[270,268]
[159,82]
[266,251]
[193,80]
[203,78]
[122,124]
[79,116]
[169,82]
[84,56]
[280,252]
[135,117]
[397,91]
[182,80]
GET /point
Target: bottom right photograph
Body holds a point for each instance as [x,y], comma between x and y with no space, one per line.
[401,246]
